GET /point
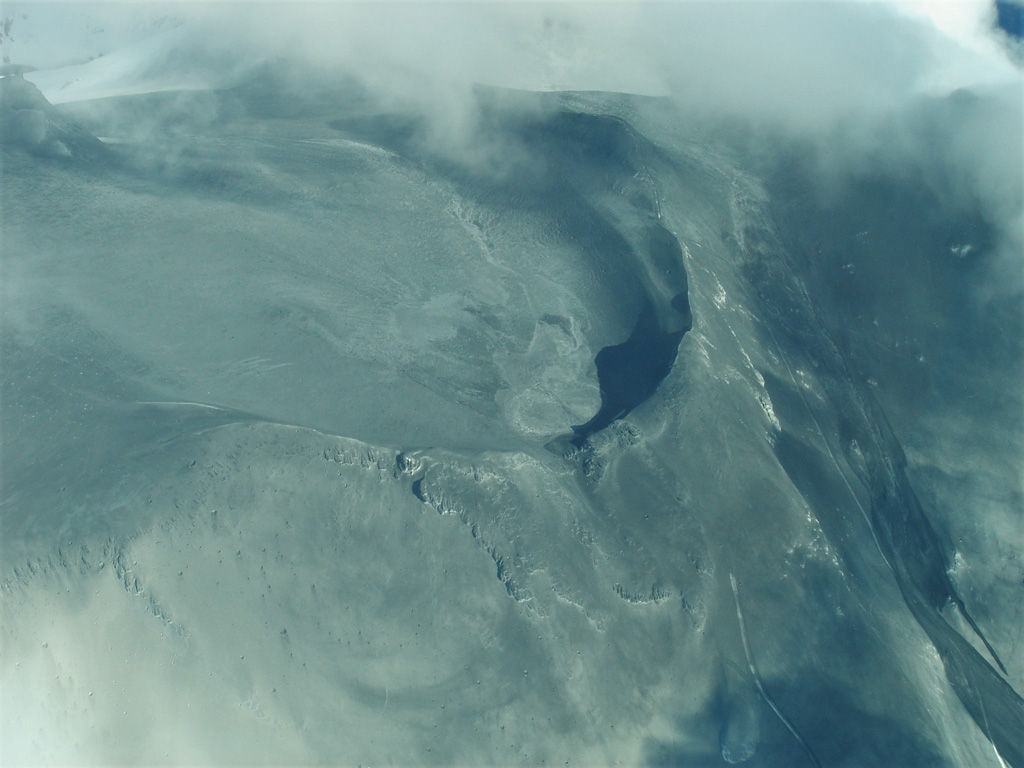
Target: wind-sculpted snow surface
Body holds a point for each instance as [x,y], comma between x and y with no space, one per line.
[326,445]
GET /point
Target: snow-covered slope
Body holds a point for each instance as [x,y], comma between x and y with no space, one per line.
[597,434]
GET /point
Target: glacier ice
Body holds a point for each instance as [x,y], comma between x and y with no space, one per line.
[325,446]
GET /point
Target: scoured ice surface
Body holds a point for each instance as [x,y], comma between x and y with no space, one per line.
[297,471]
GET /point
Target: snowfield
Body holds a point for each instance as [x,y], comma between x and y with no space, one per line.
[598,432]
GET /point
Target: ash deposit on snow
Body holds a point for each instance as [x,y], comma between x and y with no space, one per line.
[503,384]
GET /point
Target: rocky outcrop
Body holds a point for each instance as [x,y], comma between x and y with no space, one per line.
[30,123]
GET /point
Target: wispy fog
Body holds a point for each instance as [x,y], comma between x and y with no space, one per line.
[849,76]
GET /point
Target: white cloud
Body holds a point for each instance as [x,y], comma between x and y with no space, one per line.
[811,69]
